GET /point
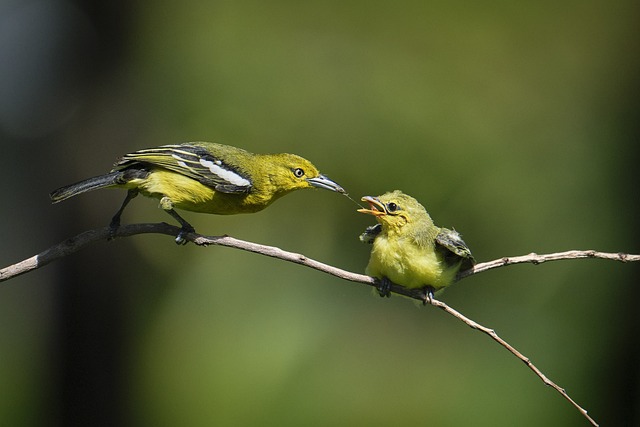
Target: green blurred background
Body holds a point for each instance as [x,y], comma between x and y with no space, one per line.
[514,122]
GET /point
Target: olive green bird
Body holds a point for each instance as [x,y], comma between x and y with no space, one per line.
[204,177]
[409,249]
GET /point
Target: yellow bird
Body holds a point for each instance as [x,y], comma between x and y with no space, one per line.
[204,177]
[409,249]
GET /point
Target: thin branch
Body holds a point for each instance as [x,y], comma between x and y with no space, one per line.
[74,244]
[513,351]
[536,259]
[78,242]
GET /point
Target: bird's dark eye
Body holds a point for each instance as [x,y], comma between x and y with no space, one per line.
[392,207]
[298,172]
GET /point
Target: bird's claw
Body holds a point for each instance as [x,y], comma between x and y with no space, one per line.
[427,294]
[181,238]
[113,229]
[384,288]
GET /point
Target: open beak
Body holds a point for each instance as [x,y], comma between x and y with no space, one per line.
[322,181]
[376,207]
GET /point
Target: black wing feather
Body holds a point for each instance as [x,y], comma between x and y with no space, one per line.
[454,249]
[193,161]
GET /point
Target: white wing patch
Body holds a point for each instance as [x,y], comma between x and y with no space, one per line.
[180,161]
[225,174]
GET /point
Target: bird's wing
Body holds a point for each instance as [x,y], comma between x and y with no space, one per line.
[195,162]
[454,249]
[370,233]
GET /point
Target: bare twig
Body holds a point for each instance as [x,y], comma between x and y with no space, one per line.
[513,351]
[78,242]
[81,240]
[536,259]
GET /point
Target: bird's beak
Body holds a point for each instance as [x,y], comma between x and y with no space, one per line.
[322,181]
[376,207]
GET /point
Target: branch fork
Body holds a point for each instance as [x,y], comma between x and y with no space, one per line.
[74,244]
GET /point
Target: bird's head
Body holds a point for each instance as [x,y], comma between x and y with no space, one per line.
[395,210]
[291,172]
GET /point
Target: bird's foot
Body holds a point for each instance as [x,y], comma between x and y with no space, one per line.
[181,238]
[384,288]
[113,228]
[427,294]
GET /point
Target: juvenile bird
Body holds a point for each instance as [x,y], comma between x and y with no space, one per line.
[408,249]
[204,177]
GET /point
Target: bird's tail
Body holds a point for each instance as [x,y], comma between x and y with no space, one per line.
[102,181]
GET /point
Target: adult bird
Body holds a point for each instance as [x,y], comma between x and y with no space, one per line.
[204,177]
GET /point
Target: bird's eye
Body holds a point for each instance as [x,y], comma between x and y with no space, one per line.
[298,172]
[392,207]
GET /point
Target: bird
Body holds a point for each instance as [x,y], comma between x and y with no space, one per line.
[203,177]
[409,249]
